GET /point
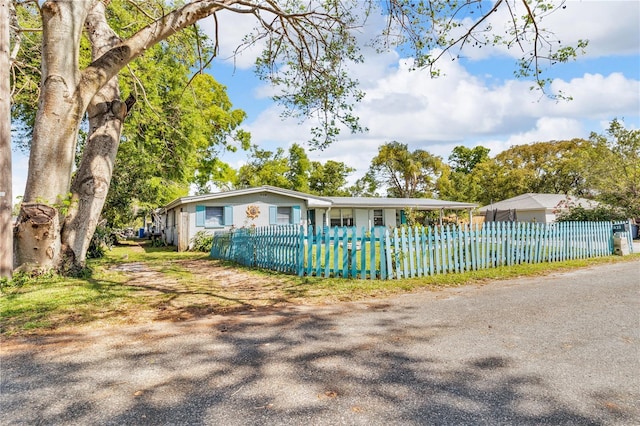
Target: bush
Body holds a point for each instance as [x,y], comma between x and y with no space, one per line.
[103,239]
[202,241]
[598,214]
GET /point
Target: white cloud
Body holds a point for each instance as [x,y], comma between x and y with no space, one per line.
[232,28]
[461,109]
[610,26]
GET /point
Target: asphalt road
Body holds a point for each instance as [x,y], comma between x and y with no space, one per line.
[559,350]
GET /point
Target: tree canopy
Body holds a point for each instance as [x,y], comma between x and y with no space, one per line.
[408,174]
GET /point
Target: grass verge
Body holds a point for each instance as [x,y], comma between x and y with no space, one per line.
[136,283]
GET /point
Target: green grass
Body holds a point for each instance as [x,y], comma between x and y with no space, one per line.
[182,291]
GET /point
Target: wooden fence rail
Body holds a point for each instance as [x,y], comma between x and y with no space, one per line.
[380,253]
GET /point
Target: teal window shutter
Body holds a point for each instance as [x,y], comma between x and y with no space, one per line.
[295,216]
[273,215]
[200,212]
[403,218]
[228,216]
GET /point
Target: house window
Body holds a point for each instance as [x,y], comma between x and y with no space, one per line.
[341,217]
[284,216]
[214,217]
[378,218]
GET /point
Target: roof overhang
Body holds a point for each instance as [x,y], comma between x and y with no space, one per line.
[399,203]
[311,200]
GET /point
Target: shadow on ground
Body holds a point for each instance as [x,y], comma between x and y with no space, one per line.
[289,366]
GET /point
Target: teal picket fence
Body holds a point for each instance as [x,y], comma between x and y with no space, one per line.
[346,252]
[275,247]
[428,251]
[380,253]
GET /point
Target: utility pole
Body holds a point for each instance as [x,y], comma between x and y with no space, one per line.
[6,202]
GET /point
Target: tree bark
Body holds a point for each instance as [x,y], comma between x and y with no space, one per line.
[90,185]
[6,197]
[53,145]
[37,237]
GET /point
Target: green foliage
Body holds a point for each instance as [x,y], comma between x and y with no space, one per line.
[463,184]
[299,168]
[173,138]
[202,241]
[294,171]
[21,279]
[597,214]
[366,186]
[103,239]
[464,160]
[408,174]
[555,167]
[614,172]
[265,168]
[329,178]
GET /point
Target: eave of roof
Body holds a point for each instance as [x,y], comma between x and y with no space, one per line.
[415,203]
[312,200]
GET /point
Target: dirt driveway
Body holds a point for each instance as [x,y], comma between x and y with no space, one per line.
[560,349]
[213,288]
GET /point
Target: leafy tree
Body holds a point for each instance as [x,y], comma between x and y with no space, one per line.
[463,184]
[299,169]
[614,168]
[366,186]
[329,178]
[597,214]
[464,160]
[307,48]
[555,167]
[265,168]
[163,155]
[293,171]
[407,174]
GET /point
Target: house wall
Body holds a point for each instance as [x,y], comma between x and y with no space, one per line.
[362,217]
[539,216]
[239,219]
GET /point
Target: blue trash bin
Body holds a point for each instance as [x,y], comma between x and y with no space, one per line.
[141,233]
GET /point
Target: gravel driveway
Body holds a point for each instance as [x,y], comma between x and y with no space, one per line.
[560,349]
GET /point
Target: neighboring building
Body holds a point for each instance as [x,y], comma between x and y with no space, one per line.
[268,205]
[542,208]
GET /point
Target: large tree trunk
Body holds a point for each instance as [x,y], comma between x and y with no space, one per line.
[65,94]
[92,179]
[60,109]
[37,237]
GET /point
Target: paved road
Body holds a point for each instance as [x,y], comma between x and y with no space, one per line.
[561,349]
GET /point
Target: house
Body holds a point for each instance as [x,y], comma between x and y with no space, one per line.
[542,208]
[272,206]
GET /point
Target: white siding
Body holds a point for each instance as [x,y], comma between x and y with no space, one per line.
[361,218]
[239,205]
[390,218]
[539,216]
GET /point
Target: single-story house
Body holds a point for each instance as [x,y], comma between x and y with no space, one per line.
[531,207]
[269,206]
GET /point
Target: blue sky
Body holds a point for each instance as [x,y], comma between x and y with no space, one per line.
[476,102]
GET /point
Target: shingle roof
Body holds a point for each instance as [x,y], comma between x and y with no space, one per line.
[318,201]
